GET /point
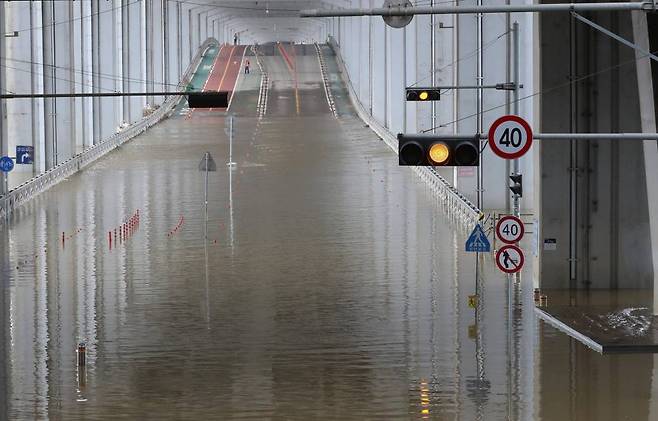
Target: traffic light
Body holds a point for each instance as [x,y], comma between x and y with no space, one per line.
[517,184]
[428,150]
[423,94]
[209,99]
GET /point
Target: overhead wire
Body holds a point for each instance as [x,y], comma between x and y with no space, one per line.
[547,90]
[124,5]
[105,76]
[60,79]
[464,57]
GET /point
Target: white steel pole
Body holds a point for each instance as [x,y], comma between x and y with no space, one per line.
[508,8]
[206,195]
[515,95]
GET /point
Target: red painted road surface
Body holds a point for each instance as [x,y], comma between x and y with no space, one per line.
[225,71]
[291,62]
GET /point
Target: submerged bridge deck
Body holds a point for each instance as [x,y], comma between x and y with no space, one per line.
[331,284]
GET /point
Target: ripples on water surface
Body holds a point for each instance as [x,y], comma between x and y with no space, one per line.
[332,286]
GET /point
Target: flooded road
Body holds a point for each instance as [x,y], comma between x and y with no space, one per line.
[332,286]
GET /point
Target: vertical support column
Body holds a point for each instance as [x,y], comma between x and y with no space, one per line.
[148,69]
[48,72]
[165,44]
[648,121]
[17,73]
[433,65]
[537,153]
[179,37]
[87,70]
[479,106]
[371,61]
[95,68]
[573,164]
[77,74]
[516,64]
[126,21]
[190,28]
[457,92]
[3,112]
[36,85]
[117,57]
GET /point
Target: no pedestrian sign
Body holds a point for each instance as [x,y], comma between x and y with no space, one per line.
[510,137]
[510,259]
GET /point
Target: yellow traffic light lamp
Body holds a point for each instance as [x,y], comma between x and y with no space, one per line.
[439,153]
[423,94]
[429,150]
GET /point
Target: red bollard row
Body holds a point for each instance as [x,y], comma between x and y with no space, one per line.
[124,231]
[181,221]
[68,237]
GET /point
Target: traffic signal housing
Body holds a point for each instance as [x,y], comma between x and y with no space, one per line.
[208,99]
[423,94]
[517,184]
[433,151]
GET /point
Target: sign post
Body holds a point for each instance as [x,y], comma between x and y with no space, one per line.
[6,165]
[230,133]
[207,164]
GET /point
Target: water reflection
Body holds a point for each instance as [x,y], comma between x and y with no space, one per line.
[324,283]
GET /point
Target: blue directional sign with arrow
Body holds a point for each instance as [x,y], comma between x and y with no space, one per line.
[478,242]
[24,154]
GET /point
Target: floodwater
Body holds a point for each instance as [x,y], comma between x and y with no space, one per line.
[332,285]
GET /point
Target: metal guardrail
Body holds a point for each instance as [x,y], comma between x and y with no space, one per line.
[456,204]
[263,92]
[42,182]
[325,81]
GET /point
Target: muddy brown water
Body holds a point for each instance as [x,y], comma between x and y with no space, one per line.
[333,285]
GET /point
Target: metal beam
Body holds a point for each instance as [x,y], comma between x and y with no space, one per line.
[93,94]
[552,136]
[614,36]
[448,10]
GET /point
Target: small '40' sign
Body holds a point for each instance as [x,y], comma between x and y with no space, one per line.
[510,137]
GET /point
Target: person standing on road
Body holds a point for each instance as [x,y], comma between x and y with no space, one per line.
[235,39]
[246,67]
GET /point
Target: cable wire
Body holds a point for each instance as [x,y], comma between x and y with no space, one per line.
[465,57]
[106,76]
[545,91]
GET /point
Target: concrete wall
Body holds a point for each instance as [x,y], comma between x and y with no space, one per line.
[612,242]
[612,225]
[382,61]
[107,46]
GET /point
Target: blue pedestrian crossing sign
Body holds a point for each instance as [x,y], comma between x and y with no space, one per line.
[478,242]
[24,154]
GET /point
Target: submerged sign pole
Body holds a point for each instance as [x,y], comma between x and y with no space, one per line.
[6,165]
[230,133]
[207,164]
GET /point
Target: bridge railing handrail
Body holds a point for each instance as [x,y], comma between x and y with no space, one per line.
[467,211]
[40,183]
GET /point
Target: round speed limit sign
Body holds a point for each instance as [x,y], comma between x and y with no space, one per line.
[510,137]
[510,229]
